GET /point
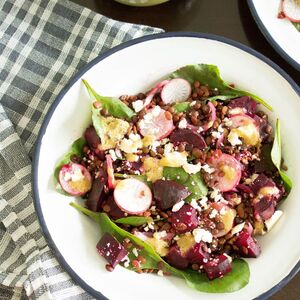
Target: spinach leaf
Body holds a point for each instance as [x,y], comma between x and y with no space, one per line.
[276,158]
[231,282]
[297,25]
[181,107]
[235,280]
[97,123]
[193,182]
[210,75]
[221,97]
[114,106]
[134,221]
[75,149]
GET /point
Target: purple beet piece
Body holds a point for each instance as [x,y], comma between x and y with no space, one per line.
[168,192]
[198,254]
[265,208]
[262,124]
[188,136]
[262,181]
[114,211]
[244,102]
[176,259]
[185,219]
[217,267]
[92,137]
[111,249]
[96,195]
[132,167]
[244,188]
[248,246]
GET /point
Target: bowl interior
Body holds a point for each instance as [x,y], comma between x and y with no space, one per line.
[134,69]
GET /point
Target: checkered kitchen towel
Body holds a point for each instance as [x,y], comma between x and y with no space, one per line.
[43,43]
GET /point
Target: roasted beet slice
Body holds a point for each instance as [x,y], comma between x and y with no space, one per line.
[185,219]
[112,209]
[111,249]
[262,181]
[262,125]
[248,246]
[265,208]
[217,267]
[245,102]
[96,195]
[188,136]
[176,259]
[198,254]
[92,137]
[168,192]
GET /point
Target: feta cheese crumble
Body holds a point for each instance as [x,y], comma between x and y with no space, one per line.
[201,234]
[182,124]
[177,206]
[138,105]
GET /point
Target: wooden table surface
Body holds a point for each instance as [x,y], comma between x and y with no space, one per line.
[230,18]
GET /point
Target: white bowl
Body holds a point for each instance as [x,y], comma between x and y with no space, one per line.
[132,67]
[281,33]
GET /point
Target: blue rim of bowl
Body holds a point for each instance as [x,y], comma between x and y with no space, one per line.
[49,114]
[270,39]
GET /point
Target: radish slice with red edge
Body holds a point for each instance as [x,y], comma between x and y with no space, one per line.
[209,124]
[227,171]
[291,9]
[156,123]
[132,196]
[154,91]
[176,90]
[110,172]
[75,179]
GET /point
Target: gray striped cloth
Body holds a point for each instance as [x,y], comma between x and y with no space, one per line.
[43,43]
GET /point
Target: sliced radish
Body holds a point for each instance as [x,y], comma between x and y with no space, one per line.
[110,172]
[75,179]
[176,90]
[227,172]
[291,9]
[209,124]
[156,123]
[132,196]
[245,127]
[152,93]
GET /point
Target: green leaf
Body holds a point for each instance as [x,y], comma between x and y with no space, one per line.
[75,149]
[231,282]
[235,280]
[181,107]
[193,182]
[276,157]
[297,25]
[113,105]
[210,75]
[97,123]
[221,97]
[134,221]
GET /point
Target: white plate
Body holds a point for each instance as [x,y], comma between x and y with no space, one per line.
[281,33]
[134,67]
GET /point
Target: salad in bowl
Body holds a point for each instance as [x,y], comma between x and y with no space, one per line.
[182,178]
